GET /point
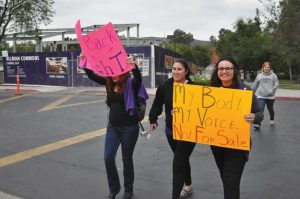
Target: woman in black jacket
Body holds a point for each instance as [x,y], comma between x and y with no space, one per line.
[231,162]
[182,181]
[122,128]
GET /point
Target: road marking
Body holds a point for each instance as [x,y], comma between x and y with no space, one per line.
[78,104]
[24,155]
[12,98]
[49,147]
[56,103]
[7,196]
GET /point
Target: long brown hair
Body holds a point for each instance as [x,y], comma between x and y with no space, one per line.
[215,81]
[120,83]
[185,65]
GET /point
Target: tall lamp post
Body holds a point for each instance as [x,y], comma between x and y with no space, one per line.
[172,38]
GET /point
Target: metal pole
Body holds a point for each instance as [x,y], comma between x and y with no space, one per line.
[138,34]
[128,36]
[152,66]
[63,41]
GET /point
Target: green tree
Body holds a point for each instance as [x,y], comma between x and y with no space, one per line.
[247,44]
[270,14]
[180,43]
[4,46]
[20,15]
[213,41]
[25,47]
[282,22]
[226,43]
[201,55]
[288,34]
[184,50]
[179,36]
[72,46]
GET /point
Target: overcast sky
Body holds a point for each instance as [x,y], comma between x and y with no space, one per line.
[159,18]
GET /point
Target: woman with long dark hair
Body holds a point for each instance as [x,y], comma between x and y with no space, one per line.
[182,180]
[231,162]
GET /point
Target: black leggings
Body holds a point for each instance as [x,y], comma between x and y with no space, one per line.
[181,164]
[231,163]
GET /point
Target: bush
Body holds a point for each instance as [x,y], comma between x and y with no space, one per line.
[201,80]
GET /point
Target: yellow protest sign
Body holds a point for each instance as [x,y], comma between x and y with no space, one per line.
[210,115]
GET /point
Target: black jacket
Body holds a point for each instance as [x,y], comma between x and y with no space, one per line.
[117,112]
[259,116]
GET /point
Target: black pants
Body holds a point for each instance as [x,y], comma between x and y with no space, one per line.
[181,164]
[231,163]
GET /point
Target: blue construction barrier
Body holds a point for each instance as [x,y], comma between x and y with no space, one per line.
[62,68]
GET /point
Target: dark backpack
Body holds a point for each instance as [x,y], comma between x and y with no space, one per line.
[140,108]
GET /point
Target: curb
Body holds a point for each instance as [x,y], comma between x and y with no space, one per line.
[297,99]
[22,91]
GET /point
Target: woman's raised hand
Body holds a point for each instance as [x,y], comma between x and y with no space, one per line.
[130,60]
[81,55]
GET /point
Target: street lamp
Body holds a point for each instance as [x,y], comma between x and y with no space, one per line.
[172,38]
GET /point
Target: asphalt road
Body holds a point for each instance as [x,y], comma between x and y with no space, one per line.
[51,147]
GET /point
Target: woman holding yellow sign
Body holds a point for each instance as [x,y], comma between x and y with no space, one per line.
[182,181]
[231,162]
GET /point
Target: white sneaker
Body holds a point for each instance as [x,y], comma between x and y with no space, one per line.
[272,122]
[184,193]
[256,126]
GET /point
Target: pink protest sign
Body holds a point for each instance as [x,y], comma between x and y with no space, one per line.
[103,51]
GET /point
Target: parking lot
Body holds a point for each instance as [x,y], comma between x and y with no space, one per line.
[51,146]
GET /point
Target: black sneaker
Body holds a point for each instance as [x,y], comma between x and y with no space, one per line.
[128,195]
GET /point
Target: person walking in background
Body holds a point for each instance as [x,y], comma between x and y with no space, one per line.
[231,162]
[242,75]
[122,128]
[182,180]
[265,85]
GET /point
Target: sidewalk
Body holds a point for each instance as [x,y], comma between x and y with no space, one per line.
[283,94]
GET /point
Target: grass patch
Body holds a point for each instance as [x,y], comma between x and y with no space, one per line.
[290,86]
[287,81]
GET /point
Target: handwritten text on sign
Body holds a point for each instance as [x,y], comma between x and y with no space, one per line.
[213,116]
[103,50]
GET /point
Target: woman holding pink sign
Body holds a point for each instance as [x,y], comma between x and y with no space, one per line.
[231,162]
[122,128]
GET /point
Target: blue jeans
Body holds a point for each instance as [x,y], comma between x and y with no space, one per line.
[270,105]
[126,136]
